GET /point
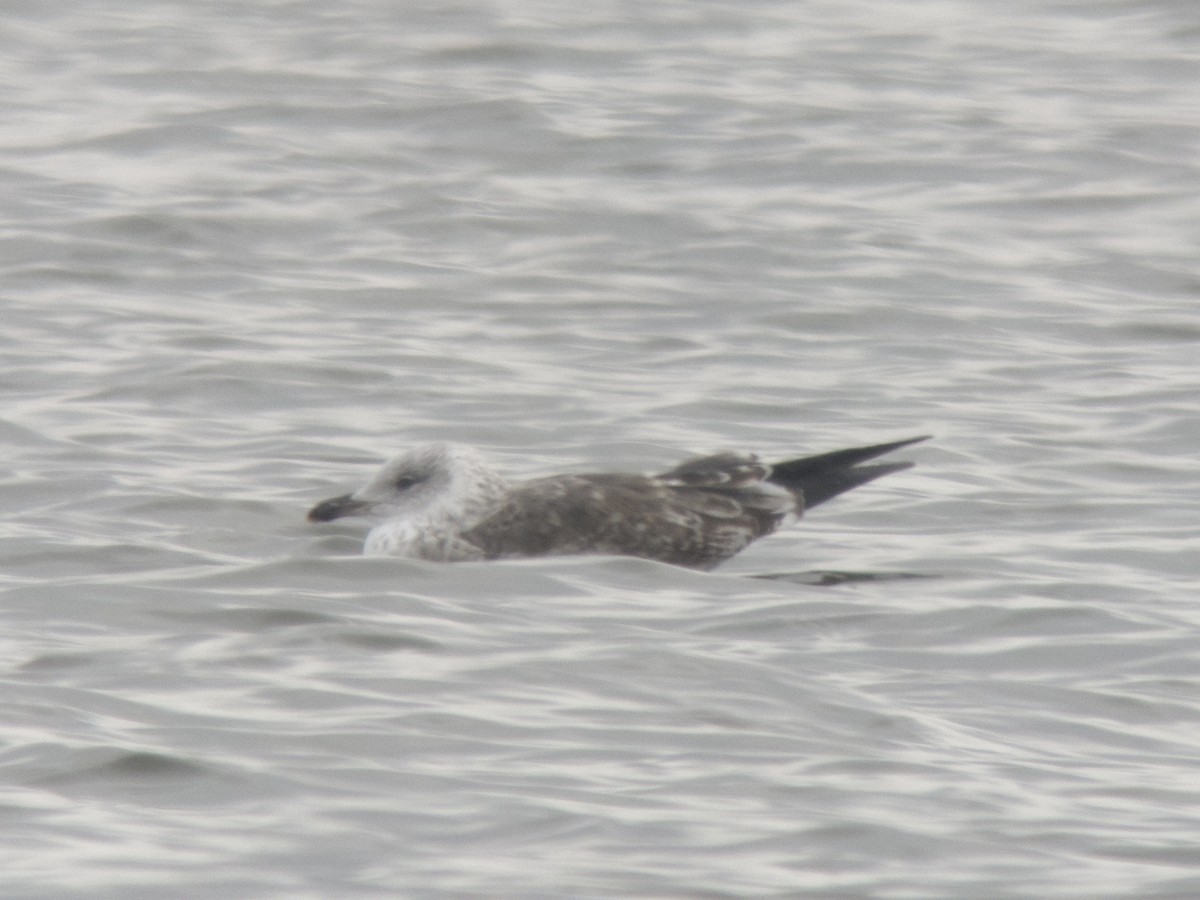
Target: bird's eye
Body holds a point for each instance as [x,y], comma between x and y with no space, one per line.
[404,482]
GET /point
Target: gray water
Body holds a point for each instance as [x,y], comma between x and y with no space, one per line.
[250,249]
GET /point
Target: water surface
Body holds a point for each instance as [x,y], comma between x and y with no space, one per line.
[249,250]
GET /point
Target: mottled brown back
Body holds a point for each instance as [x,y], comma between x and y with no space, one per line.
[630,515]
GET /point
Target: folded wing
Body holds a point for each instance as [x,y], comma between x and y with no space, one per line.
[696,515]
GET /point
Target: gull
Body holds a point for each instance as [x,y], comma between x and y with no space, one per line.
[444,502]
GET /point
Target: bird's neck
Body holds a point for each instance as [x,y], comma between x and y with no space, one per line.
[434,531]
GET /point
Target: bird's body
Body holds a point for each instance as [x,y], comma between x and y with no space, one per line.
[443,502]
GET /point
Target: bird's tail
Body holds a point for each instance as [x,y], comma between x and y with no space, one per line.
[822,477]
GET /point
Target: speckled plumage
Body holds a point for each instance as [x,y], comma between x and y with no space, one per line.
[443,502]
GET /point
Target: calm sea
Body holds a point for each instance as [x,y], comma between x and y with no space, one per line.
[249,249]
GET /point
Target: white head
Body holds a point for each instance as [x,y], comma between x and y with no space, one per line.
[432,483]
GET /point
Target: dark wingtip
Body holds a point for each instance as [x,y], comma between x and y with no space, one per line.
[817,489]
[824,476]
[880,449]
[837,459]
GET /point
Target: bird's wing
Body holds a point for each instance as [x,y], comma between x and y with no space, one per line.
[698,514]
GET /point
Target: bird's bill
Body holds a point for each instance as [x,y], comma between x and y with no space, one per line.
[336,508]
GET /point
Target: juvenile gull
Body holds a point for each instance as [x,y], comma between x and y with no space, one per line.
[443,502]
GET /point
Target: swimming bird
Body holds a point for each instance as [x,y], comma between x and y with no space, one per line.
[444,502]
